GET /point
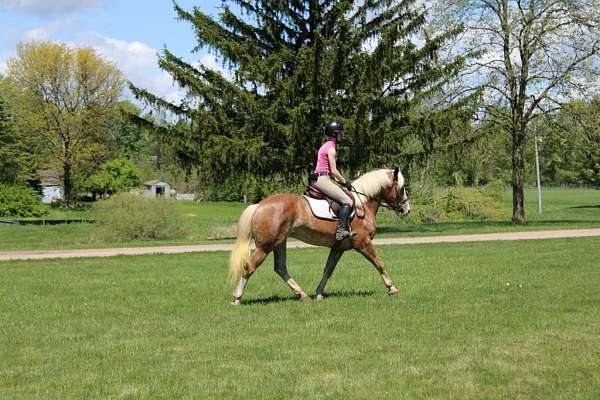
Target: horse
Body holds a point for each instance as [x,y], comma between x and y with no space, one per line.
[275,218]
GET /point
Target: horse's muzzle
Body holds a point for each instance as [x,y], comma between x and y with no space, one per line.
[404,209]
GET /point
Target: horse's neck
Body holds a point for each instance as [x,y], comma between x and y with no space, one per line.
[372,207]
[371,203]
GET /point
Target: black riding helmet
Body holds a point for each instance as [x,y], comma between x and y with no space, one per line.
[333,128]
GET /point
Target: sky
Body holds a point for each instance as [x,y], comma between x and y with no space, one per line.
[127,32]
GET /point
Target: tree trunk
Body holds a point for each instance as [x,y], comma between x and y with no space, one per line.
[68,185]
[518,166]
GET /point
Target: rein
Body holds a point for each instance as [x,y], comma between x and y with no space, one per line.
[382,203]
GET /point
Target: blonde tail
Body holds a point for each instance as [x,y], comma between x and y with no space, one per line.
[240,255]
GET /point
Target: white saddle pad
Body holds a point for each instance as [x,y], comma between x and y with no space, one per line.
[321,209]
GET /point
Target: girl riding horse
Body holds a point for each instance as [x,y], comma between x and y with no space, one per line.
[275,218]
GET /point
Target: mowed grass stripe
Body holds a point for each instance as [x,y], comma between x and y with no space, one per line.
[476,320]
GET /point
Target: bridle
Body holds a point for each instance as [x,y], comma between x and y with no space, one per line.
[399,203]
[396,205]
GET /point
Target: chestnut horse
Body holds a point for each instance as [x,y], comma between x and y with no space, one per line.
[275,218]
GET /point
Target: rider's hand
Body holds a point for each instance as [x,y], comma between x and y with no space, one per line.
[347,184]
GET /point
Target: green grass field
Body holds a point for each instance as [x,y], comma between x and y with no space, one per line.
[215,222]
[503,320]
[206,222]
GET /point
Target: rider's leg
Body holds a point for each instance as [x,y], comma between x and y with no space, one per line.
[343,228]
[330,189]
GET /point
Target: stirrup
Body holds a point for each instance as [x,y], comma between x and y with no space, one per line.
[342,234]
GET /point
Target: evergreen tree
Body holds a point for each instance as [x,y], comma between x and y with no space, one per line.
[294,66]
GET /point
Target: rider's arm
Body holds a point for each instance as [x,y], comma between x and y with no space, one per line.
[331,155]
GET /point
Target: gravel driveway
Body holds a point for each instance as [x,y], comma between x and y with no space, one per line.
[45,254]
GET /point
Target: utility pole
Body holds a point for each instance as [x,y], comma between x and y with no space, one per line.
[537,174]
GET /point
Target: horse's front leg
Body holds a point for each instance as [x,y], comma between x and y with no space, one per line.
[334,256]
[368,251]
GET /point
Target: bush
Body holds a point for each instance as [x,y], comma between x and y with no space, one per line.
[20,201]
[129,217]
[470,203]
[430,206]
[495,189]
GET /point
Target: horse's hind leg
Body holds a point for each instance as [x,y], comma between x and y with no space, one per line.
[257,258]
[281,268]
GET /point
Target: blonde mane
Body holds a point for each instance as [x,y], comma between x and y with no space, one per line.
[371,183]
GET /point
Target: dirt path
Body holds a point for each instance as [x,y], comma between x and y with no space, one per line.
[31,255]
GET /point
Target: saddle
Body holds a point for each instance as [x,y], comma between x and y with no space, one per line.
[323,207]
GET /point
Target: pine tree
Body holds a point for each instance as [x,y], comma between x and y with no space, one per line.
[294,66]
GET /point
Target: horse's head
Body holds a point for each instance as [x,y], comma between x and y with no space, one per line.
[396,196]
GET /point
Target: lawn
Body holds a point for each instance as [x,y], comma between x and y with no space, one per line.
[503,320]
[206,222]
[212,222]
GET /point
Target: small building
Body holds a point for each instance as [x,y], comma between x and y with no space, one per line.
[157,188]
[52,189]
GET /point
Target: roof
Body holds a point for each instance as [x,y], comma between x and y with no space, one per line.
[156,182]
[49,177]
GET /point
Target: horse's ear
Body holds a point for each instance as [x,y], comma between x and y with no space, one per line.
[396,170]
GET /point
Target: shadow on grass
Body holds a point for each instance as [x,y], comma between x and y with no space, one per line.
[598,206]
[282,299]
[350,293]
[268,300]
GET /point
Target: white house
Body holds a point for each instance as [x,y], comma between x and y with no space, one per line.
[52,189]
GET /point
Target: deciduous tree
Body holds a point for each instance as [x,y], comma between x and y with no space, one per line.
[69,94]
[536,54]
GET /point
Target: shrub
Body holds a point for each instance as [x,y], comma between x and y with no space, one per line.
[129,217]
[495,189]
[430,206]
[20,201]
[470,203]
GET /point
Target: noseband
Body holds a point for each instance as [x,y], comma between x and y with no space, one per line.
[396,205]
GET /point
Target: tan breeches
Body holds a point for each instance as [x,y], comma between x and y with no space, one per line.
[332,190]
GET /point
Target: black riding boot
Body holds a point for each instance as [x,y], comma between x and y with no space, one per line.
[343,230]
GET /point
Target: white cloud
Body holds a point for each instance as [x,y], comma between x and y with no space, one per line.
[210,62]
[139,63]
[44,7]
[137,60]
[49,30]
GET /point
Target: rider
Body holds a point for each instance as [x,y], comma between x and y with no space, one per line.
[327,168]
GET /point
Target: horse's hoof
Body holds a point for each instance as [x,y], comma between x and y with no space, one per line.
[304,298]
[235,302]
[320,297]
[392,291]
